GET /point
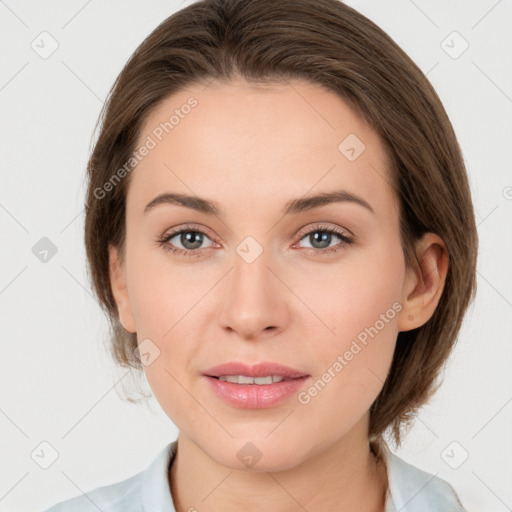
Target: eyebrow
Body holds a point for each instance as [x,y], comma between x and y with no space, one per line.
[291,207]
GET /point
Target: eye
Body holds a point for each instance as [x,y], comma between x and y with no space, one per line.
[320,238]
[189,238]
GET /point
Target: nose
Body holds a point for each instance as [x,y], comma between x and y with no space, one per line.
[254,302]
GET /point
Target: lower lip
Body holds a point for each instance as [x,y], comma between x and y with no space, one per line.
[255,396]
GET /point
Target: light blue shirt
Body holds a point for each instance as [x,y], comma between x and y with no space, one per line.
[409,490]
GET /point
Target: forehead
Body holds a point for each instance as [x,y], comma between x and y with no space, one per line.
[259,140]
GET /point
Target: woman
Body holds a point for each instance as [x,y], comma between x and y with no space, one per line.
[279,227]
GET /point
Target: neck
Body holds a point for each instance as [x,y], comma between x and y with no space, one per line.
[347,477]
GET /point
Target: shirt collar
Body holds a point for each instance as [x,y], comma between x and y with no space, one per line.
[155,492]
[411,489]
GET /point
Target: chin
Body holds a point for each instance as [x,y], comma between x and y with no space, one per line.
[259,454]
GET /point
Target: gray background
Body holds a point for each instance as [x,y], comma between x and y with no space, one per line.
[57,383]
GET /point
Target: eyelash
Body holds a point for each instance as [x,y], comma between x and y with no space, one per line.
[163,242]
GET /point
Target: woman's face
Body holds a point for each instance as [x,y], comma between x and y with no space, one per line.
[262,279]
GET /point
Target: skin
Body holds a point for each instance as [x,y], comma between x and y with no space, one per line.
[252,149]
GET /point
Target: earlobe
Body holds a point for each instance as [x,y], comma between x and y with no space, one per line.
[120,290]
[424,285]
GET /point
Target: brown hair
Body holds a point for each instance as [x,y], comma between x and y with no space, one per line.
[330,44]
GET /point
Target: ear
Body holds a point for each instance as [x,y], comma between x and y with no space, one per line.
[424,285]
[119,290]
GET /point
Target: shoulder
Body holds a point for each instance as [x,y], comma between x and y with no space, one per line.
[147,490]
[123,495]
[411,489]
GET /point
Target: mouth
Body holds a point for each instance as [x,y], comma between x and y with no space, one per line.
[255,387]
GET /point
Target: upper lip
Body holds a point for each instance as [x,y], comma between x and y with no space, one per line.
[257,370]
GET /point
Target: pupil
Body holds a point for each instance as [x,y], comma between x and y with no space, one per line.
[324,238]
[187,239]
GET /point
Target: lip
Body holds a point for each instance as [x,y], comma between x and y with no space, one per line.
[255,396]
[257,370]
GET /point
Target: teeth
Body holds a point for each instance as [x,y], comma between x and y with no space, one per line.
[243,379]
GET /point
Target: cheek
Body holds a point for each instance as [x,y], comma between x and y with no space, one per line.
[352,365]
[165,301]
[351,297]
[157,291]
[360,305]
[169,386]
